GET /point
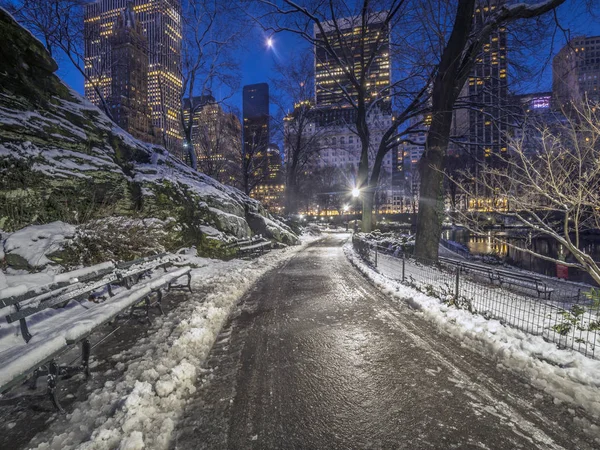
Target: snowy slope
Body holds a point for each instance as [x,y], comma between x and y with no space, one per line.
[62,159]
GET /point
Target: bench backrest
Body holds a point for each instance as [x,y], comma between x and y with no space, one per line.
[61,281]
[79,288]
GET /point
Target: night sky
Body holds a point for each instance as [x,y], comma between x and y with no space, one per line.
[257,59]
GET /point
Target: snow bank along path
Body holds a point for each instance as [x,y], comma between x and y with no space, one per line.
[140,409]
[566,375]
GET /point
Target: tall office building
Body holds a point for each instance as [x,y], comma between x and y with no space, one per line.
[576,72]
[486,90]
[256,118]
[128,100]
[328,71]
[161,24]
[216,137]
[270,191]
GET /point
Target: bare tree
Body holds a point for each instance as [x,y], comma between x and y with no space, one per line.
[216,138]
[551,188]
[252,160]
[61,27]
[348,46]
[295,81]
[207,65]
[473,24]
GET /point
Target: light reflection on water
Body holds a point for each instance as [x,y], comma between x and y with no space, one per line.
[485,245]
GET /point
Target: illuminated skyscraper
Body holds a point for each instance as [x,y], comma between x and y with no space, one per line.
[487,91]
[256,118]
[161,23]
[328,72]
[128,101]
[576,72]
[216,137]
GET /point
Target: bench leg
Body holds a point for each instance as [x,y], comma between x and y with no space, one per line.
[23,324]
[148,304]
[24,330]
[110,292]
[159,302]
[86,348]
[53,385]
[33,380]
[189,283]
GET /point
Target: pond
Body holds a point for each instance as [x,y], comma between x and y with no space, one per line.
[486,245]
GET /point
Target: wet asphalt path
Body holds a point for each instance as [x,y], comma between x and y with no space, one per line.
[317,358]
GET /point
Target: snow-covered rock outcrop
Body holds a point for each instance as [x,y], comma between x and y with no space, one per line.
[62,159]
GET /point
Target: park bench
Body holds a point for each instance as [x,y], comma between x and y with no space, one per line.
[519,279]
[504,277]
[60,321]
[255,246]
[467,267]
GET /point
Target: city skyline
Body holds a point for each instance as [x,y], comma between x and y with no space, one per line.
[258,59]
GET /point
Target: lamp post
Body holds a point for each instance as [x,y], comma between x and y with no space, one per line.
[355,194]
[346,207]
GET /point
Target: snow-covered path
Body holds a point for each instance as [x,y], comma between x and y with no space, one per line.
[318,358]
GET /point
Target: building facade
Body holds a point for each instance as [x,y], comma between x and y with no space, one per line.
[162,27]
[255,111]
[271,189]
[128,100]
[216,138]
[576,72]
[483,126]
[329,72]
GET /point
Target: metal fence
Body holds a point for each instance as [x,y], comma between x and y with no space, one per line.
[567,317]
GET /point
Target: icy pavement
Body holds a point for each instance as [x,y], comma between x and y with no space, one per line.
[316,357]
[145,392]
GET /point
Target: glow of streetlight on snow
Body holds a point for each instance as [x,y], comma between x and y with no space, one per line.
[355,192]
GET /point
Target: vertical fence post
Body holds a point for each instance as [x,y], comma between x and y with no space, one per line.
[403,266]
[456,284]
[375,255]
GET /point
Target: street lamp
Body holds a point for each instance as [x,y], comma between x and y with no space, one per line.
[355,192]
[346,208]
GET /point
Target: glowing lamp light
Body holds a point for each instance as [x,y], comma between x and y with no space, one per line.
[346,207]
[269,42]
[355,192]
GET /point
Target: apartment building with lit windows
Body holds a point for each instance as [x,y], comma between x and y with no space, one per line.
[162,26]
[576,72]
[216,137]
[329,77]
[128,100]
[483,125]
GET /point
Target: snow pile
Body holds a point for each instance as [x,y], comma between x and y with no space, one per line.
[390,240]
[566,375]
[34,243]
[140,409]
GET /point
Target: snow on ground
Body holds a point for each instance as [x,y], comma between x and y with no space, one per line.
[34,242]
[565,374]
[140,409]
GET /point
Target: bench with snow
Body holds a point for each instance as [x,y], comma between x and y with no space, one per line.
[521,280]
[468,267]
[255,246]
[63,314]
[504,277]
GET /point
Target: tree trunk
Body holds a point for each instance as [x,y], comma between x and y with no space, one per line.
[291,197]
[431,204]
[446,87]
[367,211]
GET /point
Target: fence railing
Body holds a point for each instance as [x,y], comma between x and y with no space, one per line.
[565,317]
